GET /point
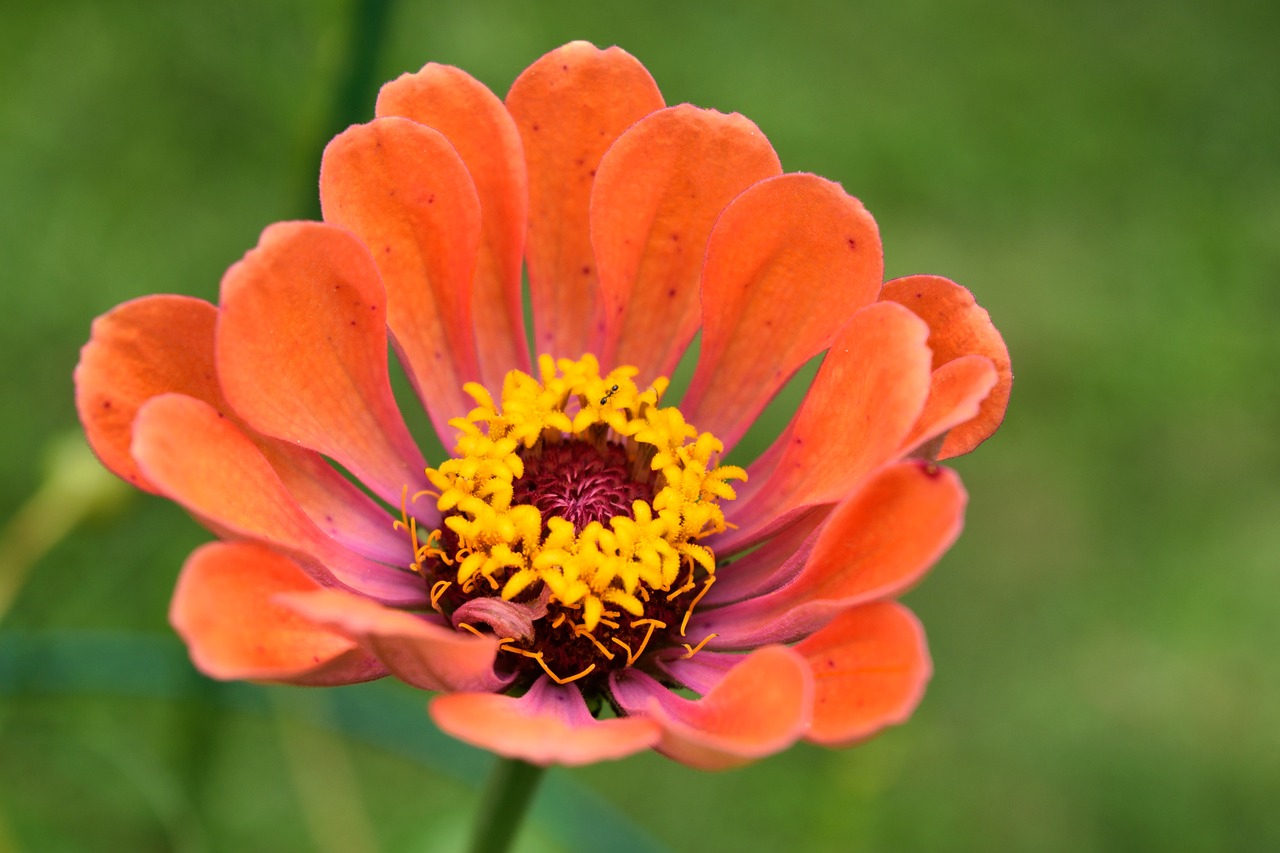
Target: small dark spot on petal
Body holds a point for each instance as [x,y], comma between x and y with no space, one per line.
[853,244]
[106,404]
[535,128]
[671,292]
[564,68]
[586,270]
[593,173]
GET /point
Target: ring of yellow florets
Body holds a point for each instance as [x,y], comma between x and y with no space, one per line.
[600,589]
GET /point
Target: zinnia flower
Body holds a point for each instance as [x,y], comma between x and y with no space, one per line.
[584,578]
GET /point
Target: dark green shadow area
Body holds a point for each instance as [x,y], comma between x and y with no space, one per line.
[381,714]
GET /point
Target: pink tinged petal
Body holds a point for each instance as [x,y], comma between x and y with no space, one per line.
[164,344]
[762,706]
[302,353]
[570,106]
[771,565]
[200,459]
[482,131]
[870,668]
[788,263]
[875,545]
[142,348]
[956,392]
[659,190]
[337,506]
[958,326]
[404,191]
[507,619]
[416,650]
[550,724]
[223,609]
[699,673]
[864,401]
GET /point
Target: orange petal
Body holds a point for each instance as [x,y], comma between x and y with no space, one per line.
[788,263]
[302,353]
[142,348]
[417,651]
[550,724]
[200,459]
[223,609]
[956,391]
[957,327]
[453,102]
[659,190]
[760,707]
[864,401]
[570,106]
[875,545]
[404,191]
[870,668]
[164,344]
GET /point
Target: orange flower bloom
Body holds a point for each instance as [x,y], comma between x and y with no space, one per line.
[584,552]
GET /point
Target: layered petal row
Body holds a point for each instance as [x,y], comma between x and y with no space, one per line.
[713,614]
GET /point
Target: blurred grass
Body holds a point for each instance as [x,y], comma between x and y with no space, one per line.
[1103,175]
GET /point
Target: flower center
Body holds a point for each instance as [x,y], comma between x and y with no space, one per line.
[571,515]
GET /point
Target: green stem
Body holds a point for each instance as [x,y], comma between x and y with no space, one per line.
[510,790]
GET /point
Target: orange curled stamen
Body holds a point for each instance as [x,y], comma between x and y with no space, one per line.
[684,623]
[429,550]
[403,523]
[413,536]
[693,650]
[557,679]
[652,623]
[599,645]
[470,628]
[681,591]
[631,658]
[437,590]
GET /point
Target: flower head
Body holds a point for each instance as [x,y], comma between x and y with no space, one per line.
[584,577]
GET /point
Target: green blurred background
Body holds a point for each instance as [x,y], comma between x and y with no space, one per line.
[1103,175]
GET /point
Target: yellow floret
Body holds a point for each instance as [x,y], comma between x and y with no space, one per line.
[615,564]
